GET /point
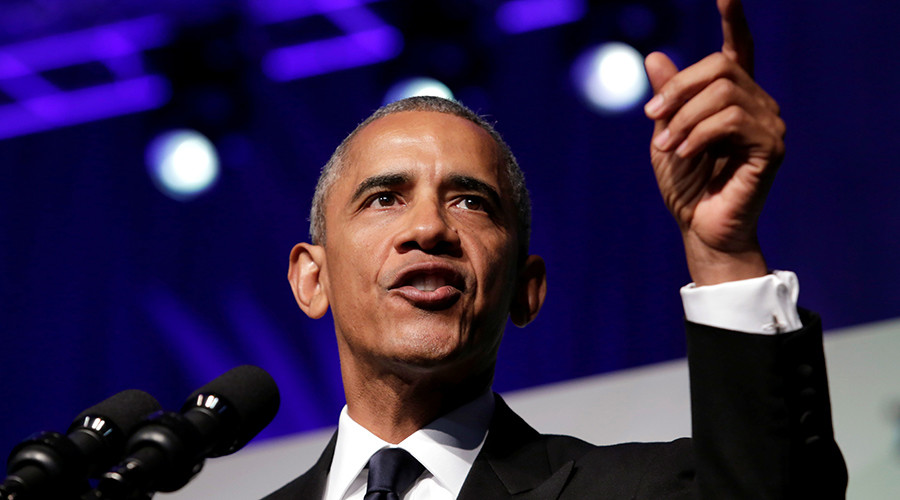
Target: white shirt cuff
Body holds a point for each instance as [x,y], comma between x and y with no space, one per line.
[766,305]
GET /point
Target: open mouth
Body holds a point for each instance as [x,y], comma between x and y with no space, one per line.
[429,282]
[430,285]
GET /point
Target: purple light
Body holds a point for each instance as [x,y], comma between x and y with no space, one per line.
[324,56]
[27,86]
[78,47]
[519,16]
[367,39]
[126,66]
[354,20]
[275,11]
[41,105]
[83,105]
[10,67]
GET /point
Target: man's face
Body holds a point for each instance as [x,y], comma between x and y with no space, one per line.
[421,252]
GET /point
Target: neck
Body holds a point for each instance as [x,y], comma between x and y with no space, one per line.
[394,405]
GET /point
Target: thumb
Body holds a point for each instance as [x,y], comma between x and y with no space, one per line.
[660,69]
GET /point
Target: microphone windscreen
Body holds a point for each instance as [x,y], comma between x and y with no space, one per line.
[252,396]
[125,410]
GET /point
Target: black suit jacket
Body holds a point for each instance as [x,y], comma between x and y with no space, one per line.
[761,429]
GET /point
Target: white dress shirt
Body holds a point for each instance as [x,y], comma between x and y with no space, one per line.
[448,446]
[766,305]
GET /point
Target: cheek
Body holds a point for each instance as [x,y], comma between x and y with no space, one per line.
[497,272]
[359,256]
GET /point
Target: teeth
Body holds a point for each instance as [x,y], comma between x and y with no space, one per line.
[427,283]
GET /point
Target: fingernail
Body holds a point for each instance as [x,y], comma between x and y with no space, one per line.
[661,139]
[682,149]
[654,105]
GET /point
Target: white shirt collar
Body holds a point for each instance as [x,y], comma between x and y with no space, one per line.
[447,447]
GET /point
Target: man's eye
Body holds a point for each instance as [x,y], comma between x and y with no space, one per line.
[472,203]
[383,200]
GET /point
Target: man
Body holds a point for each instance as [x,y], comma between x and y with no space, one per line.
[420,227]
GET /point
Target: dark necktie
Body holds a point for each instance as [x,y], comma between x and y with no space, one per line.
[391,472]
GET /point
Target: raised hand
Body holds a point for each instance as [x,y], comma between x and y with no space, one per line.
[717,143]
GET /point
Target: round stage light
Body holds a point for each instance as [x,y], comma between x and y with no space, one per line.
[182,163]
[419,86]
[611,77]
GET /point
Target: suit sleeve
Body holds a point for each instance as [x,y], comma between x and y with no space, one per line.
[762,416]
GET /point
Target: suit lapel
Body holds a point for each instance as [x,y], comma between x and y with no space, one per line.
[514,462]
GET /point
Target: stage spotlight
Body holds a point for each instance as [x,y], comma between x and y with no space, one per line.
[420,86]
[182,163]
[611,77]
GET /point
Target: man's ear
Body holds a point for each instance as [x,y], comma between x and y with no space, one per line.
[531,288]
[304,274]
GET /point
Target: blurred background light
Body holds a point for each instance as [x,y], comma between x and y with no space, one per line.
[419,86]
[359,48]
[611,77]
[519,16]
[182,163]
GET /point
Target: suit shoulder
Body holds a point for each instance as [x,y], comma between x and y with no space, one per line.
[634,470]
[633,456]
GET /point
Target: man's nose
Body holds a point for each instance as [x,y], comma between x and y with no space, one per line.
[428,227]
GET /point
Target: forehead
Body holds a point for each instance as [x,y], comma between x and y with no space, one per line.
[423,143]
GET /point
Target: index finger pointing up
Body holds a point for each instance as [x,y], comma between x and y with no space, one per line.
[737,41]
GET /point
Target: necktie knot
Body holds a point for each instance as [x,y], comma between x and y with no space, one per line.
[391,472]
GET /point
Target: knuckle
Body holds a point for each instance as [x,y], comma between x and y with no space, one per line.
[780,128]
[672,89]
[719,59]
[767,102]
[723,88]
[724,66]
[735,116]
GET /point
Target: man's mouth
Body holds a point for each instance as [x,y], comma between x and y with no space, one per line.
[429,285]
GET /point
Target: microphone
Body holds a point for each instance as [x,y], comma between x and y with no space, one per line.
[168,450]
[51,466]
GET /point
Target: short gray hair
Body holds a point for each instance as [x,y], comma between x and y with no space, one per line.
[335,164]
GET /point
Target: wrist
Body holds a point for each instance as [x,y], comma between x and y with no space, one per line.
[711,266]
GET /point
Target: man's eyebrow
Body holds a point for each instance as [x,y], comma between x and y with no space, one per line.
[472,184]
[379,181]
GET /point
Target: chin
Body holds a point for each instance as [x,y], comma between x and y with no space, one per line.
[446,350]
[429,348]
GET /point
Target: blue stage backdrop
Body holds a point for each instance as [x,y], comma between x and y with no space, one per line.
[106,283]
